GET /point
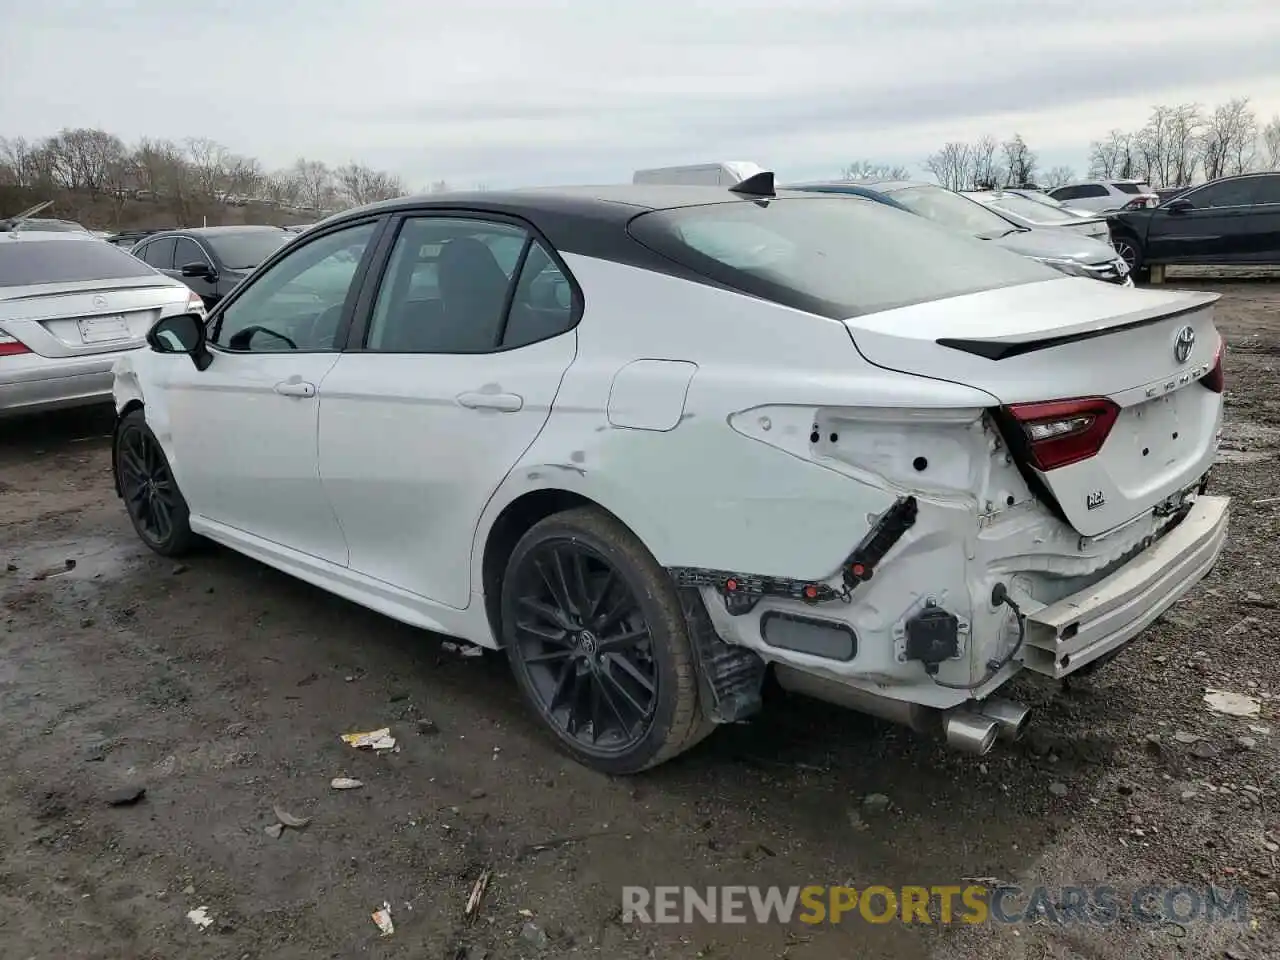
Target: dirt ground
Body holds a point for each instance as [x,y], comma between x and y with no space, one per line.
[222,687]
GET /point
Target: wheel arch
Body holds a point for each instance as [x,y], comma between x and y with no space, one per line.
[517,516]
[130,405]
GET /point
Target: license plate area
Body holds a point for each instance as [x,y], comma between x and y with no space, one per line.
[1155,431]
[106,329]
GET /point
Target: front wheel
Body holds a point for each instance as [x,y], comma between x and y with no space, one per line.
[1130,252]
[599,644]
[155,505]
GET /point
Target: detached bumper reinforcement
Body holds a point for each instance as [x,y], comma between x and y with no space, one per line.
[1065,636]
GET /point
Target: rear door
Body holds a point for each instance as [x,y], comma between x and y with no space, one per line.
[447,384]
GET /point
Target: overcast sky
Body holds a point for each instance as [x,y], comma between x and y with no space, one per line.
[510,92]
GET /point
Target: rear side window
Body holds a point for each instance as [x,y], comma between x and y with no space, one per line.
[833,257]
[1132,188]
[26,262]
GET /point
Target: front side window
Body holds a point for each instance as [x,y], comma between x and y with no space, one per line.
[188,251]
[829,256]
[1235,193]
[297,303]
[159,253]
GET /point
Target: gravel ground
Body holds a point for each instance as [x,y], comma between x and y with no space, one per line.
[221,687]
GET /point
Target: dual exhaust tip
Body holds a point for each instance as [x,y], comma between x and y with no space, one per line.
[975,730]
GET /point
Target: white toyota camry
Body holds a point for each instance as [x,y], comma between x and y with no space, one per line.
[658,441]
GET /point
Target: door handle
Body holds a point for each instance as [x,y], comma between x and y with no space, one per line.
[295,388]
[504,402]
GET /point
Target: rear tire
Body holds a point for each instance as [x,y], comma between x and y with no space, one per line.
[599,644]
[151,496]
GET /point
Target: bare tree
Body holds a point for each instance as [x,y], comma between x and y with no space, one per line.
[952,166]
[24,164]
[985,169]
[1019,160]
[1185,123]
[82,159]
[1112,156]
[866,170]
[1058,176]
[282,187]
[208,160]
[1271,142]
[315,182]
[1228,144]
[359,184]
[244,176]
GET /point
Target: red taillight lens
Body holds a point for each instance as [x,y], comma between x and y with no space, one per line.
[12,346]
[1216,378]
[1063,432]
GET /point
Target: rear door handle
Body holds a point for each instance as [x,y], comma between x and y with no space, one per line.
[504,402]
[295,388]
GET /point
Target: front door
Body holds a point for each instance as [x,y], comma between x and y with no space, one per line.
[452,379]
[273,344]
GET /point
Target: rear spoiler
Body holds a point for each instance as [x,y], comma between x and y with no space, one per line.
[1000,349]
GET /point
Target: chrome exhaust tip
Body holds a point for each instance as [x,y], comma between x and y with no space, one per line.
[1010,717]
[970,732]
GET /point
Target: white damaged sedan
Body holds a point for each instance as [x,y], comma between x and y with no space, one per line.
[656,442]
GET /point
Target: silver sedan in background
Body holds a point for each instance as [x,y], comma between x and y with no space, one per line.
[1028,212]
[70,304]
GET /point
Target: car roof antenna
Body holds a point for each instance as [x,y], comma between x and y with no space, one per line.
[14,224]
[757,185]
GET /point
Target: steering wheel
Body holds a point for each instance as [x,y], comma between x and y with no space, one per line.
[240,340]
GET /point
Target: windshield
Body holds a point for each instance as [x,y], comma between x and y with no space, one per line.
[29,262]
[952,210]
[836,257]
[1032,210]
[244,251]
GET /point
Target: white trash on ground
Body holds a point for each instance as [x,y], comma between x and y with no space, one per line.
[1232,704]
[371,740]
[383,919]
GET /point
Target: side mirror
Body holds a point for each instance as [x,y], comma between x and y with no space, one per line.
[184,333]
[198,269]
[1179,205]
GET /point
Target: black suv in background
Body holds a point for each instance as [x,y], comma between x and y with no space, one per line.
[1232,221]
[211,260]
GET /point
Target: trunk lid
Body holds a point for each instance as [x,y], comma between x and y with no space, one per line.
[1068,339]
[87,317]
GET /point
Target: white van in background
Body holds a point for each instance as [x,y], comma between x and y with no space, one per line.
[725,173]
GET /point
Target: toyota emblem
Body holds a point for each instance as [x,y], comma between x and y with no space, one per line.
[100,302]
[1183,344]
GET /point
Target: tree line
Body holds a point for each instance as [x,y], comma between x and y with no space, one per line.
[194,172]
[1177,146]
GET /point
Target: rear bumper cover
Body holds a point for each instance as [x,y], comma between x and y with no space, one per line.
[1071,633]
[29,382]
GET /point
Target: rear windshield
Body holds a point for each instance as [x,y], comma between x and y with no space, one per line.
[836,257]
[58,260]
[952,210]
[1132,187]
[244,251]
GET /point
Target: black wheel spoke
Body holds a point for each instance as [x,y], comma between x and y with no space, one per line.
[624,641]
[149,492]
[583,648]
[631,670]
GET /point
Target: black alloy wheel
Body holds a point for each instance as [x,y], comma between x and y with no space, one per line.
[1129,253]
[599,643]
[151,496]
[585,643]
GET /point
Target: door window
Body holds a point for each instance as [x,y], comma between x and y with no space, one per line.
[446,286]
[545,303]
[158,253]
[1227,193]
[297,304]
[188,251]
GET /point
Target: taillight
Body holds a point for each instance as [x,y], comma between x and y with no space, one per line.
[1137,203]
[1216,378]
[12,346]
[1063,432]
[195,303]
